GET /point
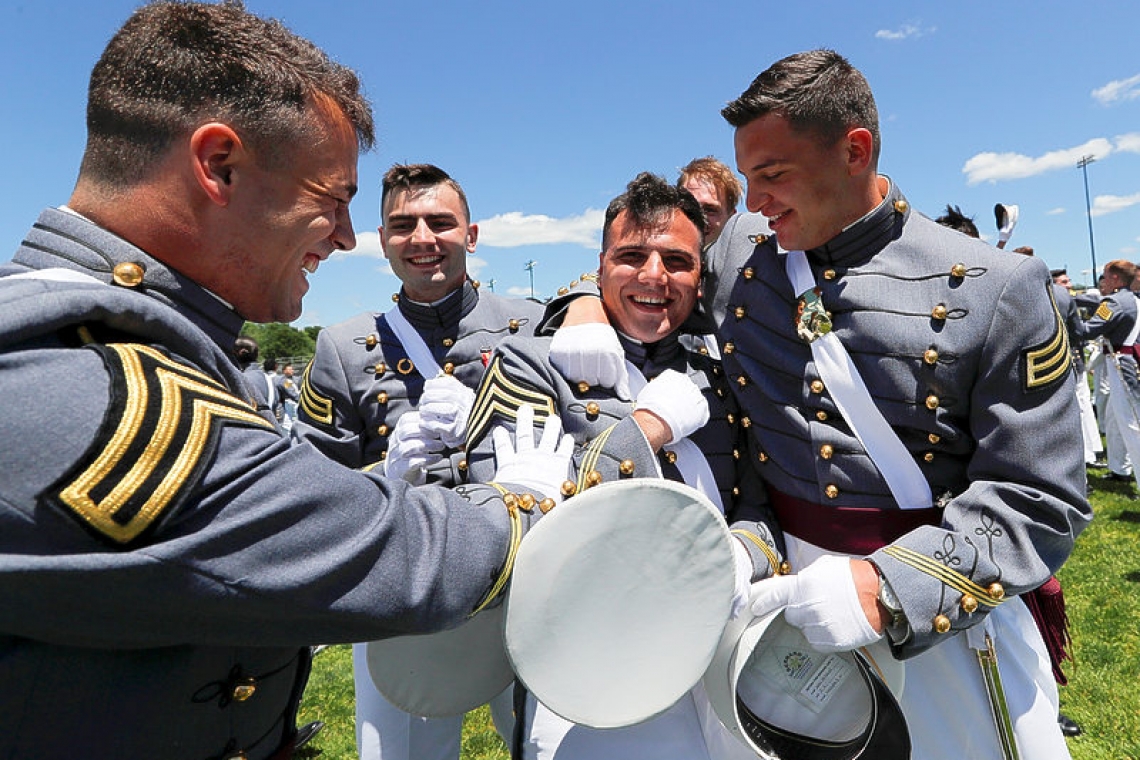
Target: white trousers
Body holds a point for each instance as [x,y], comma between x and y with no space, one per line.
[945,701]
[385,732]
[1089,432]
[1122,428]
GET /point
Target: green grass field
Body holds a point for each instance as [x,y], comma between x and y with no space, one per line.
[1102,592]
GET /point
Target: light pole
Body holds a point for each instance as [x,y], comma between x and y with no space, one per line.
[491,284]
[529,266]
[1083,165]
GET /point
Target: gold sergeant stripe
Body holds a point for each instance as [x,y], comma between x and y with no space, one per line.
[313,403]
[591,455]
[498,394]
[951,578]
[1104,311]
[512,552]
[773,560]
[1046,363]
[159,433]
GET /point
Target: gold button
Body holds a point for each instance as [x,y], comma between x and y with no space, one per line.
[382,430]
[997,591]
[941,624]
[569,488]
[476,284]
[382,397]
[395,298]
[671,457]
[736,453]
[829,274]
[461,465]
[762,456]
[594,478]
[237,756]
[527,502]
[626,467]
[730,417]
[932,402]
[546,505]
[901,206]
[511,501]
[832,491]
[583,386]
[784,568]
[720,392]
[703,351]
[448,368]
[745,422]
[739,312]
[939,311]
[928,456]
[826,451]
[742,381]
[729,347]
[383,455]
[821,416]
[958,270]
[969,603]
[244,689]
[381,368]
[371,341]
[592,408]
[817,386]
[448,342]
[934,438]
[735,490]
[573,283]
[563,291]
[930,356]
[128,274]
[748,273]
[513,325]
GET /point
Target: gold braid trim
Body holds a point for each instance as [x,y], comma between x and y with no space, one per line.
[773,560]
[951,578]
[512,550]
[591,455]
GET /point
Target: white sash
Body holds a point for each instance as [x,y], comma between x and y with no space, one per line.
[690,461]
[413,343]
[850,394]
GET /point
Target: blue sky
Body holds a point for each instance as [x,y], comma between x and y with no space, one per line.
[543,111]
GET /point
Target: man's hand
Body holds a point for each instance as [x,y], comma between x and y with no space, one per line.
[591,353]
[411,449]
[824,601]
[541,470]
[1006,217]
[444,408]
[677,401]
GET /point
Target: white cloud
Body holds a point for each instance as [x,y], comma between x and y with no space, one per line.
[518,292]
[1129,143]
[1109,204]
[515,228]
[367,244]
[1120,89]
[1055,212]
[993,167]
[904,32]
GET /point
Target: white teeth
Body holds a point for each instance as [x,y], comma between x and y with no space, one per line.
[649,301]
[777,217]
[310,266]
[426,259]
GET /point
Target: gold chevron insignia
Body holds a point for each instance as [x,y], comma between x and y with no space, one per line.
[1050,361]
[1104,311]
[502,396]
[315,405]
[159,433]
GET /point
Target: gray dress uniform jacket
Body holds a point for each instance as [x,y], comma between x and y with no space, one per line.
[166,556]
[1115,318]
[964,352]
[609,444]
[1071,314]
[361,380]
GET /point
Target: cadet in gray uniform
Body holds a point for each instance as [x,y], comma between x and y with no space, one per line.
[966,359]
[366,398]
[167,556]
[649,276]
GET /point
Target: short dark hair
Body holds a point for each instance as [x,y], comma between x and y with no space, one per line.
[175,65]
[956,220]
[408,176]
[649,200]
[245,350]
[718,175]
[817,91]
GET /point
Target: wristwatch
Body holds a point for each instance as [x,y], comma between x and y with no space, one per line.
[897,628]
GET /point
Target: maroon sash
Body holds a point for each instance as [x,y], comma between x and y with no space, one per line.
[850,530]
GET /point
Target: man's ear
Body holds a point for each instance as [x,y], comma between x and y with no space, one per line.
[383,247]
[472,237]
[860,144]
[215,152]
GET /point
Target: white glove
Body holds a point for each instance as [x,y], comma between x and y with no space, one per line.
[675,398]
[444,408]
[411,449]
[541,470]
[1006,221]
[593,354]
[821,601]
[742,564]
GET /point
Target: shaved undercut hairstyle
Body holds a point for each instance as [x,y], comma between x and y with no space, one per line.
[413,176]
[818,92]
[174,66]
[723,179]
[650,201]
